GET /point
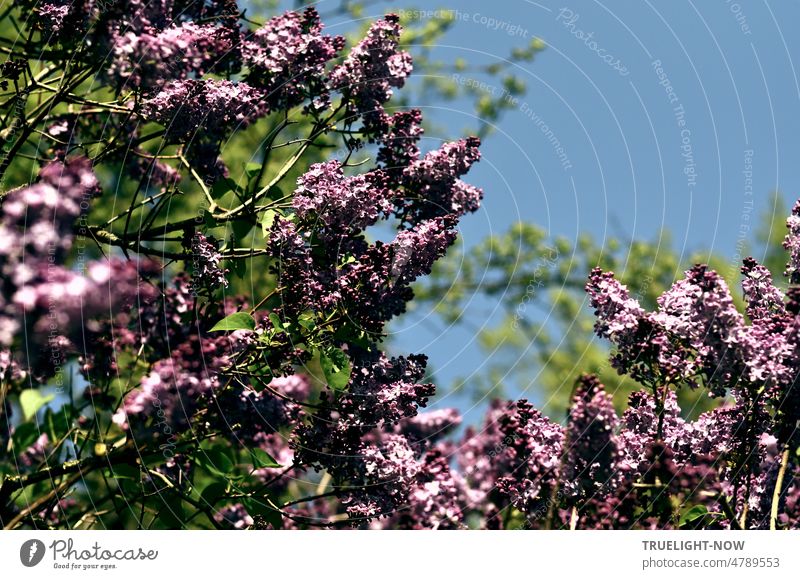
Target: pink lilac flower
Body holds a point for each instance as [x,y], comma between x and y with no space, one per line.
[234,517]
[296,386]
[176,388]
[385,474]
[433,499]
[152,58]
[763,300]
[640,423]
[527,456]
[53,16]
[208,108]
[512,459]
[433,185]
[247,416]
[400,142]
[205,262]
[336,206]
[287,58]
[591,457]
[377,287]
[154,172]
[700,309]
[36,233]
[373,288]
[373,67]
[36,454]
[427,428]
[64,21]
[792,244]
[618,314]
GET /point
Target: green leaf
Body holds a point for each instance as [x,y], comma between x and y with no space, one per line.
[263,460]
[128,478]
[58,423]
[170,509]
[214,461]
[267,219]
[237,321]
[222,187]
[275,193]
[31,401]
[307,320]
[213,492]
[252,169]
[240,230]
[208,220]
[25,434]
[696,512]
[276,322]
[336,367]
[239,267]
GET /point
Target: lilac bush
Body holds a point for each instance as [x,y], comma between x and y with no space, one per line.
[235,407]
[189,342]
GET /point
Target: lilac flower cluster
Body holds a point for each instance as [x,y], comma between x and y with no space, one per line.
[176,388]
[373,285]
[590,464]
[792,244]
[400,142]
[697,334]
[434,498]
[729,458]
[205,259]
[152,58]
[146,338]
[602,472]
[336,206]
[234,517]
[206,107]
[373,67]
[57,305]
[531,447]
[434,185]
[186,383]
[297,394]
[287,58]
[428,428]
[63,20]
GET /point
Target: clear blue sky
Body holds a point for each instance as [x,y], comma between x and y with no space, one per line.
[660,108]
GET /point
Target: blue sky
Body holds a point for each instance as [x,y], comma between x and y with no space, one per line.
[680,115]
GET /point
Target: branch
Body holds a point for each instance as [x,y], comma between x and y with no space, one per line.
[776,496]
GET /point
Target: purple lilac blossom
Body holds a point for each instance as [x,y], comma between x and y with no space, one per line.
[287,57]
[373,67]
[207,107]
